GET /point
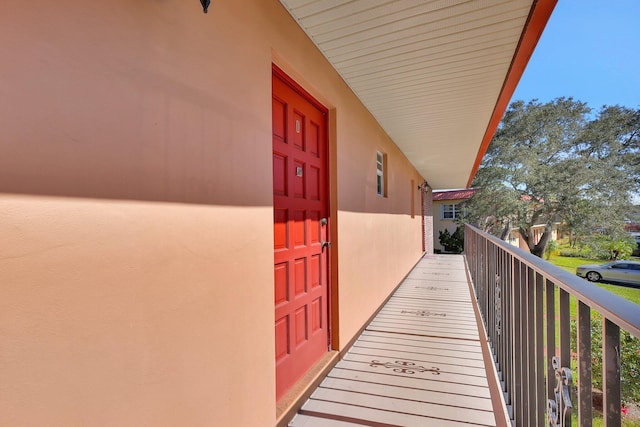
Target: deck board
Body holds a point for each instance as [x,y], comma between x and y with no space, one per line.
[420,357]
[453,390]
[418,363]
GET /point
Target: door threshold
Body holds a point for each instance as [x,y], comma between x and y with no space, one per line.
[292,401]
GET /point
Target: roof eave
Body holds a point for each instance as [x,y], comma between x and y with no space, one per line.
[538,18]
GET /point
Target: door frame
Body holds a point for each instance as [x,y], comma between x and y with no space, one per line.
[330,189]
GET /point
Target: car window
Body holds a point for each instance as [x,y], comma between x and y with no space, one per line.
[620,266]
[635,267]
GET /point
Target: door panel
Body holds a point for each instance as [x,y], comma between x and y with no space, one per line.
[300,264]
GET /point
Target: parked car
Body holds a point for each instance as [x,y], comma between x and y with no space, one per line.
[636,251]
[617,271]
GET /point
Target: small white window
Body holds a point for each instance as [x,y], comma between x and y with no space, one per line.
[380,174]
[451,211]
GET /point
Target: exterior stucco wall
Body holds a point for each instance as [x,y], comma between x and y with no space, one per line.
[440,224]
[136,258]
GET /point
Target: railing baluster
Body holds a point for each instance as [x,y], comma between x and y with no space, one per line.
[474,260]
[496,305]
[489,280]
[550,295]
[509,304]
[565,338]
[611,373]
[530,367]
[541,401]
[500,350]
[481,268]
[486,284]
[585,404]
[517,341]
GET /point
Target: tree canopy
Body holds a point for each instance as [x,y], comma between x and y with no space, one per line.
[558,162]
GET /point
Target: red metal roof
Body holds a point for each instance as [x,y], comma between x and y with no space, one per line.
[453,194]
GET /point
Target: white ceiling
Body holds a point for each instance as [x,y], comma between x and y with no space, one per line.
[429,71]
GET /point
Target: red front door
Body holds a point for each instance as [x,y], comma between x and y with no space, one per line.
[299,207]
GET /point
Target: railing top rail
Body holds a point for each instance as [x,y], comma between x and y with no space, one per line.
[620,311]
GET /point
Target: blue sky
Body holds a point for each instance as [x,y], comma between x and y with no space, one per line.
[589,50]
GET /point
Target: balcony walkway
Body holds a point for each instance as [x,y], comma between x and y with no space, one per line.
[418,363]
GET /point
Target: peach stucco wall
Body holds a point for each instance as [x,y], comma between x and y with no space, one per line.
[136,258]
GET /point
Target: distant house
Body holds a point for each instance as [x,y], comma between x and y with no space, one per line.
[516,239]
[446,209]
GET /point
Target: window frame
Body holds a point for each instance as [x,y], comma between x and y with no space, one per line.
[455,211]
[381,174]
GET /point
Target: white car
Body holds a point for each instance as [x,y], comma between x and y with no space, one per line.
[617,271]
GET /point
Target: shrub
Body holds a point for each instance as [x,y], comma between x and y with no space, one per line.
[611,247]
[551,249]
[630,360]
[602,247]
[452,242]
[572,253]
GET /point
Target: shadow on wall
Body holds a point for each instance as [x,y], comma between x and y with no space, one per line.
[151,140]
[124,102]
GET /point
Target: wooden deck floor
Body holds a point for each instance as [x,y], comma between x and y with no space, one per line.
[418,363]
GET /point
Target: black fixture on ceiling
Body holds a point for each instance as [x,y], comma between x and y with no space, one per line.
[205,5]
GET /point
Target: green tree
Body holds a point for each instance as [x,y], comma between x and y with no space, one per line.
[553,163]
[491,209]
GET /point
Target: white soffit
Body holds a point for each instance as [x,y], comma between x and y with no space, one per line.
[430,72]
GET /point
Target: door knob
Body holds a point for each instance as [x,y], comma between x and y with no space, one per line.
[325,245]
